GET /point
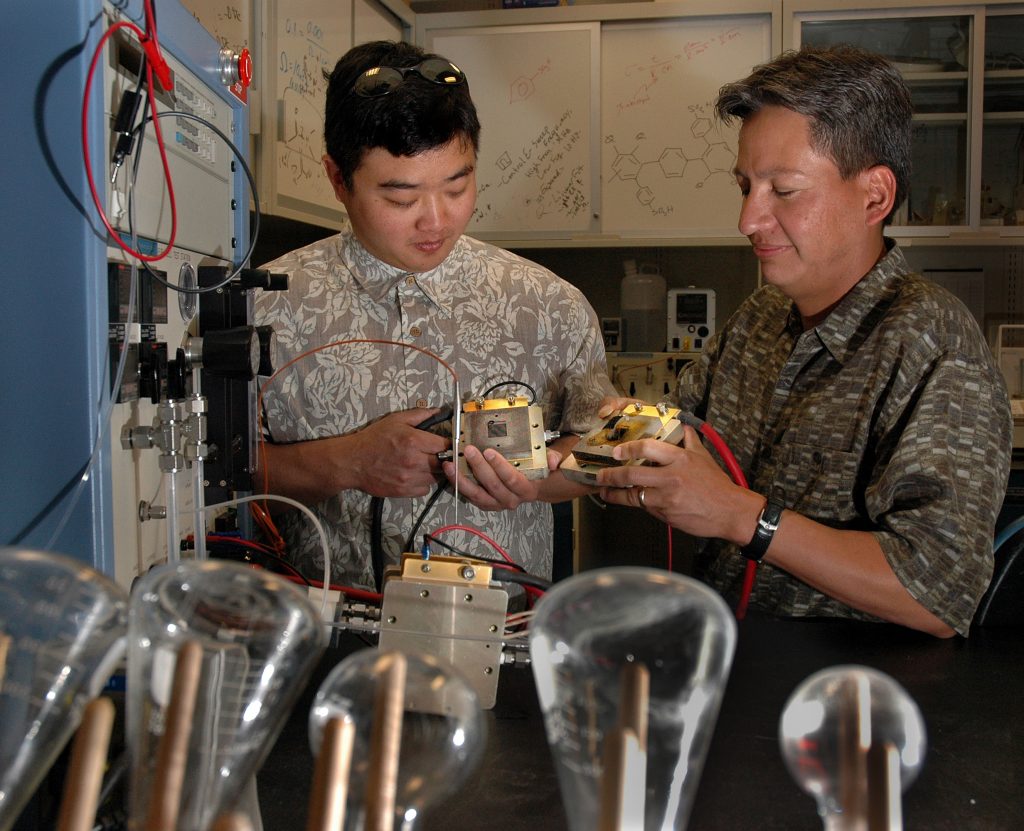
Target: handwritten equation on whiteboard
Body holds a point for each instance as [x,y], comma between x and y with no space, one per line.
[534,93]
[658,68]
[543,173]
[227,22]
[303,56]
[666,160]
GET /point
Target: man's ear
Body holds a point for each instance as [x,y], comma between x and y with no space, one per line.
[879,193]
[335,178]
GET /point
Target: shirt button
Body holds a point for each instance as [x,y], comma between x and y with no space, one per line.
[415,331]
[410,280]
[421,403]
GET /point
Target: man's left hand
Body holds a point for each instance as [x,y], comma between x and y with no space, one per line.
[498,485]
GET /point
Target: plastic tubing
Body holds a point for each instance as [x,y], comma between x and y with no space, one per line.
[259,497]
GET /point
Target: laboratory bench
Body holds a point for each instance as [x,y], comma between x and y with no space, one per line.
[970,692]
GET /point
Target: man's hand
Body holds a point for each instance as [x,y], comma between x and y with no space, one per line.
[390,457]
[499,485]
[683,486]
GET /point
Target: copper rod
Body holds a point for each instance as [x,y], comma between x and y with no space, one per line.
[385,743]
[330,777]
[634,696]
[623,781]
[172,752]
[233,821]
[5,642]
[85,772]
[854,739]
[885,809]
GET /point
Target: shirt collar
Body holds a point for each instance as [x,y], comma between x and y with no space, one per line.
[379,280]
[861,307]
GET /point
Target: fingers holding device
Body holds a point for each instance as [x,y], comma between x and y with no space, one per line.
[634,422]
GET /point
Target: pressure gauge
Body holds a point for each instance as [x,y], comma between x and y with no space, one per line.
[188,301]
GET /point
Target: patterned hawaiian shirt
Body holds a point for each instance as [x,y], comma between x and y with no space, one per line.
[890,416]
[490,315]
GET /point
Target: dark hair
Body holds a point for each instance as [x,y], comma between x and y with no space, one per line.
[857,103]
[414,117]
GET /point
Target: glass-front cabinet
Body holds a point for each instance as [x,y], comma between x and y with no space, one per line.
[1002,169]
[964,65]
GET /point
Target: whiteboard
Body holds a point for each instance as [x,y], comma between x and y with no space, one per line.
[371,21]
[305,40]
[229,22]
[535,92]
[666,162]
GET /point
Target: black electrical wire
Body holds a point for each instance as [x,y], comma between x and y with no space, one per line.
[33,523]
[521,578]
[411,539]
[228,549]
[377,508]
[254,236]
[449,547]
[505,573]
[510,383]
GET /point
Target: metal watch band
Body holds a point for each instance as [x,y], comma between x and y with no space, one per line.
[767,523]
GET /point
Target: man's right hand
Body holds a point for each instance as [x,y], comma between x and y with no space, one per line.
[388,457]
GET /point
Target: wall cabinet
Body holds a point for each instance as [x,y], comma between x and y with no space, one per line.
[965,69]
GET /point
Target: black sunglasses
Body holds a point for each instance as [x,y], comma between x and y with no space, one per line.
[380,80]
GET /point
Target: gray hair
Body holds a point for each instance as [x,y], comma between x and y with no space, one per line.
[857,103]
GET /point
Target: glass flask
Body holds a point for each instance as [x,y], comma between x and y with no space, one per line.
[592,633]
[62,630]
[259,639]
[829,732]
[443,731]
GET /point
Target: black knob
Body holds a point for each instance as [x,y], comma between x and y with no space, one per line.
[231,353]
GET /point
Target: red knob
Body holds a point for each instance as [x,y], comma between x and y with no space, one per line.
[244,68]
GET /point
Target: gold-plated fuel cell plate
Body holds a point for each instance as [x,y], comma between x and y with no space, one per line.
[594,449]
[515,429]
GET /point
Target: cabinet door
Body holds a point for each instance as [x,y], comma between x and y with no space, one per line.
[1002,167]
[934,54]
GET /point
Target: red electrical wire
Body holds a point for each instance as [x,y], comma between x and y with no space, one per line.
[531,590]
[149,44]
[348,591]
[505,555]
[736,472]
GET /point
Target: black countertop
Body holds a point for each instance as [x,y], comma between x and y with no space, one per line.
[970,692]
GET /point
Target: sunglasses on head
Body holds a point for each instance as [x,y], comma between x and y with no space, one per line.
[380,80]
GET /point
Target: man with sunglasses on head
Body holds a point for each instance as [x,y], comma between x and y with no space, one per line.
[401,137]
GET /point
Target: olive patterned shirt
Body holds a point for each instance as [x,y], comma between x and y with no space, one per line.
[890,416]
[491,315]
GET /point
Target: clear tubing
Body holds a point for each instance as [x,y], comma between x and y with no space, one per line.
[199,519]
[260,497]
[171,488]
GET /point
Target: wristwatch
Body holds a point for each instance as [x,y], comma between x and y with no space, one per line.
[767,523]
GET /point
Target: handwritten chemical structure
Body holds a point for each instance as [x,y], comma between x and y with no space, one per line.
[522,87]
[691,166]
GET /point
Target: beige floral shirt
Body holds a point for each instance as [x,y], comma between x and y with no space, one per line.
[491,315]
[891,417]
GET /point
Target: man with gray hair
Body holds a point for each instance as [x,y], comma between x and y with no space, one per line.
[861,401]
